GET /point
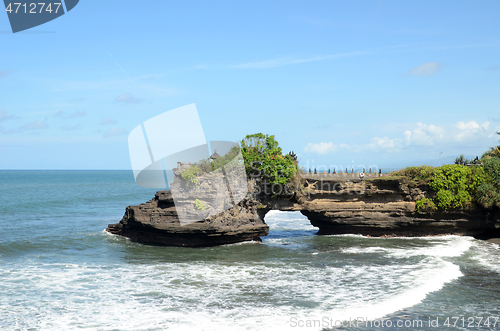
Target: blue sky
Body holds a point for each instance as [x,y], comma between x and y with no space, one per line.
[340,83]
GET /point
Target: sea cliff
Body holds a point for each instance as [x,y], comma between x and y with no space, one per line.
[335,204]
[386,207]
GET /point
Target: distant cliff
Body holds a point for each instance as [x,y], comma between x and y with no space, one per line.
[375,207]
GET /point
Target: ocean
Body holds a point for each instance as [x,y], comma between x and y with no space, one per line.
[59,270]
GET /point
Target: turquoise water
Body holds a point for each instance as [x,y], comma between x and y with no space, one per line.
[60,271]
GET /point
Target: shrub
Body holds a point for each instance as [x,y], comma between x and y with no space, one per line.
[455,185]
[189,175]
[228,159]
[492,168]
[416,173]
[492,152]
[488,193]
[206,165]
[264,159]
[444,199]
[425,204]
[199,204]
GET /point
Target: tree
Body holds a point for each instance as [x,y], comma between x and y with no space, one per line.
[488,194]
[263,158]
[493,151]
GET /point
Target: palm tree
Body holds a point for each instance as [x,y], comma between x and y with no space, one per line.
[493,151]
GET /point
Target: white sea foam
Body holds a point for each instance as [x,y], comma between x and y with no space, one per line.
[108,233]
[220,295]
[449,246]
[487,254]
[423,282]
[363,250]
[211,296]
[250,242]
[288,220]
[350,235]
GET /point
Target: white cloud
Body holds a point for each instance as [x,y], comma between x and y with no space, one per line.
[426,69]
[470,129]
[128,98]
[457,136]
[114,131]
[433,135]
[323,148]
[35,125]
[108,120]
[384,143]
[424,135]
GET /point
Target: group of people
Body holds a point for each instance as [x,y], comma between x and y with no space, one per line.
[362,173]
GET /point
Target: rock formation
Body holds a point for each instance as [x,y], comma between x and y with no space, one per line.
[386,207]
[156,222]
[375,207]
[209,208]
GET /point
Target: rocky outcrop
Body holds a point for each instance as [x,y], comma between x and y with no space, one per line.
[374,207]
[386,207]
[157,222]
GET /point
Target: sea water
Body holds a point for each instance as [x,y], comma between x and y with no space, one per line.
[59,270]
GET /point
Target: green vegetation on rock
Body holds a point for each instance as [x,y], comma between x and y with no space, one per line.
[264,159]
[456,185]
[488,193]
[425,204]
[460,185]
[229,159]
[419,174]
[189,175]
[209,165]
[492,152]
[199,204]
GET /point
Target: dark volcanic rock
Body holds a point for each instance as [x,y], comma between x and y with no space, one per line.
[386,207]
[156,222]
[376,207]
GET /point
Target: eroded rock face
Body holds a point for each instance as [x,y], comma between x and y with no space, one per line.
[386,207]
[156,222]
[376,207]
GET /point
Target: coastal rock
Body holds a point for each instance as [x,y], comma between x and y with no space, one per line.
[386,207]
[157,222]
[375,207]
